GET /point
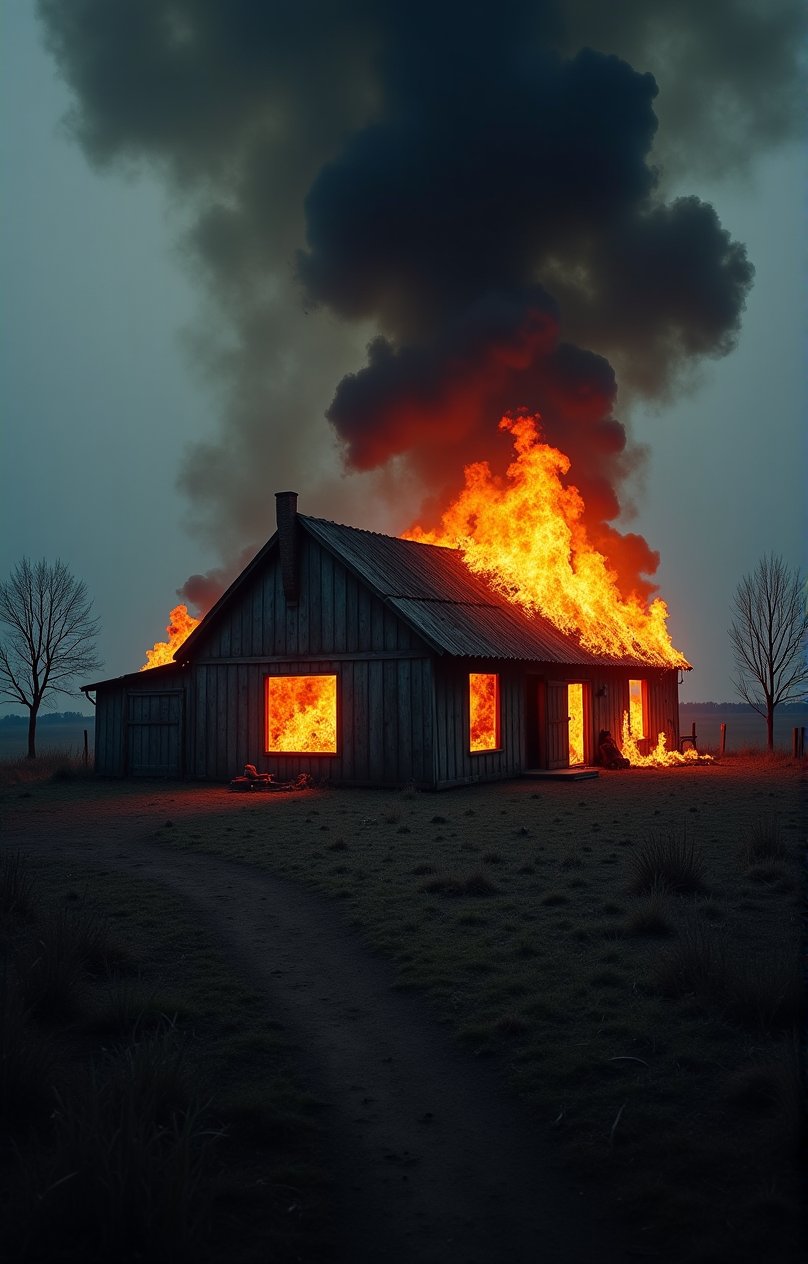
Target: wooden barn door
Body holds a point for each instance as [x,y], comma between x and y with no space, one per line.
[153,728]
[558,732]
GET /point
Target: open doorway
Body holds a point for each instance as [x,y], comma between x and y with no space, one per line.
[558,720]
[577,726]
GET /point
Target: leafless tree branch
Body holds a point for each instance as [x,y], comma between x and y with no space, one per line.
[769,638]
[49,635]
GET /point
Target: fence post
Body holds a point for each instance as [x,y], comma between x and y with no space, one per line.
[723,744]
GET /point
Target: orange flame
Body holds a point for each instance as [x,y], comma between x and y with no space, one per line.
[660,756]
[302,715]
[575,706]
[525,535]
[483,711]
[180,625]
[636,709]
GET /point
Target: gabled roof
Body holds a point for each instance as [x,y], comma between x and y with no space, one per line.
[433,591]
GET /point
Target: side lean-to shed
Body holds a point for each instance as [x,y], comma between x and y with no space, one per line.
[398,629]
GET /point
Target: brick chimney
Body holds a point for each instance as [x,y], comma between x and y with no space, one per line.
[286,518]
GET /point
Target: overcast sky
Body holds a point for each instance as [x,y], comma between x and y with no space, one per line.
[113,368]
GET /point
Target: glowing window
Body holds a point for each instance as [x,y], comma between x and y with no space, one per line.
[301,715]
[638,708]
[483,711]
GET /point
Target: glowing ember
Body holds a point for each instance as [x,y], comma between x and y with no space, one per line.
[483,711]
[525,535]
[575,705]
[302,715]
[660,756]
[180,625]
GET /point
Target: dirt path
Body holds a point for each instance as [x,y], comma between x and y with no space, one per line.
[431,1161]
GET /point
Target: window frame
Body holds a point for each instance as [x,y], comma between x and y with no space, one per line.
[487,750]
[297,675]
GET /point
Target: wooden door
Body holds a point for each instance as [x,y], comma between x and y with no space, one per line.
[558,733]
[153,727]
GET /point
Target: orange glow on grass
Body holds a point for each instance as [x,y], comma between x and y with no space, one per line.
[524,534]
[180,626]
[301,715]
[483,711]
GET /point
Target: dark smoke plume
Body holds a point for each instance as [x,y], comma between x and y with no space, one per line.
[476,193]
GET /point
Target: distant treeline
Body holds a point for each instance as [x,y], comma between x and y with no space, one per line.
[50,717]
[741,707]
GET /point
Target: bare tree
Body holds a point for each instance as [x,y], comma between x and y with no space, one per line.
[769,636]
[49,637]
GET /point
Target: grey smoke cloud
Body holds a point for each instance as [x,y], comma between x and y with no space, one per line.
[482,198]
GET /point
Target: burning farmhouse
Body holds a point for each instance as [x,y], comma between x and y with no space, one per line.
[364,659]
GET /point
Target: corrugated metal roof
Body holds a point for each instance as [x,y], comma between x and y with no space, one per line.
[455,611]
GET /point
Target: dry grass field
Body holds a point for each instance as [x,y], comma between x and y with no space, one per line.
[625,952]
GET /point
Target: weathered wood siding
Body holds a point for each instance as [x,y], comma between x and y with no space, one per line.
[337,627]
[606,701]
[140,727]
[154,734]
[335,614]
[454,763]
[403,711]
[109,727]
[384,709]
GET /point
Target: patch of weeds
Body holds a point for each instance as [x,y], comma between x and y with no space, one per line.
[451,884]
[555,898]
[670,860]
[26,1058]
[512,1025]
[768,874]
[572,862]
[765,841]
[606,978]
[492,858]
[422,870]
[526,869]
[127,1167]
[472,919]
[650,916]
[764,991]
[696,963]
[439,820]
[339,844]
[16,886]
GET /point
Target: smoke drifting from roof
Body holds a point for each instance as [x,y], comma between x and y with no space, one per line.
[479,195]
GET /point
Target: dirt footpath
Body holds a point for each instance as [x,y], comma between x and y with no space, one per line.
[432,1163]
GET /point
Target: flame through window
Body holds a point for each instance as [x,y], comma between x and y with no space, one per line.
[301,715]
[483,711]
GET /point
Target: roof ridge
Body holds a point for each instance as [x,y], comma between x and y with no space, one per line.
[380,535]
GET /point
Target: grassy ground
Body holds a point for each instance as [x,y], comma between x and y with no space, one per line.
[149,1106]
[626,950]
[640,991]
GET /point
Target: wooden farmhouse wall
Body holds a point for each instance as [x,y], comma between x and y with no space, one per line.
[141,724]
[402,709]
[337,627]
